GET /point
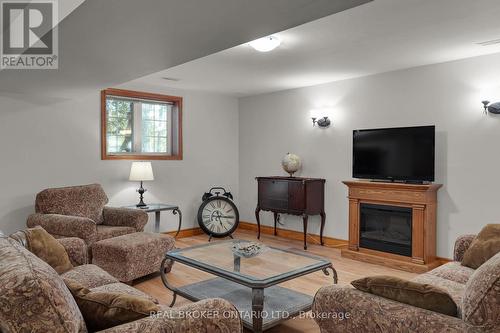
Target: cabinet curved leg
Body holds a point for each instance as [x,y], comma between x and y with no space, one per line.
[323,219]
[304,219]
[275,222]
[257,211]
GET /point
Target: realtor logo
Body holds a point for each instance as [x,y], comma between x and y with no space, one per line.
[29,34]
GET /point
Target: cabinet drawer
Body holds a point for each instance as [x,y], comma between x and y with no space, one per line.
[273,194]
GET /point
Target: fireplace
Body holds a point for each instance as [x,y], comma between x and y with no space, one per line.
[385,228]
[393,224]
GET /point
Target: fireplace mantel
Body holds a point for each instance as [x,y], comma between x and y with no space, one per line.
[422,199]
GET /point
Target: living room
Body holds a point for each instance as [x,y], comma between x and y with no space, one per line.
[332,74]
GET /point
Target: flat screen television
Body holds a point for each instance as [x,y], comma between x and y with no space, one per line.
[395,154]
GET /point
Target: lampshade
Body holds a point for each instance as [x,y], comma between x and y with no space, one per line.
[141,171]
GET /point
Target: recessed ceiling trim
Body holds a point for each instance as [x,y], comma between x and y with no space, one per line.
[489,42]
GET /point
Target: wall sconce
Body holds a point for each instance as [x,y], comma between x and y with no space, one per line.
[322,122]
[491,108]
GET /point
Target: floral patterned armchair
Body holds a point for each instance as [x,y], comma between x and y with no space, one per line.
[80,211]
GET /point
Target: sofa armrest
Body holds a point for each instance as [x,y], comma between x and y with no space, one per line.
[125,217]
[344,309]
[207,316]
[461,245]
[63,225]
[76,249]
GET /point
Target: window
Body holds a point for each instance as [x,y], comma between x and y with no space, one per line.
[139,126]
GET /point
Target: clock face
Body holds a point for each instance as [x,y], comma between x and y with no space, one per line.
[218,216]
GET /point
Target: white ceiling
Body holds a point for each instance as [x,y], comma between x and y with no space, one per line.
[379,36]
[105,43]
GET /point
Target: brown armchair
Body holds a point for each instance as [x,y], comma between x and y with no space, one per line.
[80,211]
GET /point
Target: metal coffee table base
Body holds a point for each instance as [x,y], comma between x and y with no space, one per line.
[263,312]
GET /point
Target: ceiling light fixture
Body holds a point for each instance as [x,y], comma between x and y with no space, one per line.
[265,44]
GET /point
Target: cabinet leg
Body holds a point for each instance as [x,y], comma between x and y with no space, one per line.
[275,222]
[323,218]
[304,219]
[257,211]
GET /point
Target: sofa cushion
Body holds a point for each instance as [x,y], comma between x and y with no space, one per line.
[84,201]
[483,247]
[106,231]
[424,296]
[103,309]
[90,276]
[33,297]
[44,246]
[454,289]
[481,301]
[124,289]
[453,271]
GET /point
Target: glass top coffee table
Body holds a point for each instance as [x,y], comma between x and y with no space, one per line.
[249,283]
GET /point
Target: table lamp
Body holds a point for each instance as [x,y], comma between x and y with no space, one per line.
[141,172]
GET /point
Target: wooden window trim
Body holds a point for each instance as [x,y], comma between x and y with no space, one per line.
[177,101]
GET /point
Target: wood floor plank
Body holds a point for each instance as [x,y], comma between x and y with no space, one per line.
[347,269]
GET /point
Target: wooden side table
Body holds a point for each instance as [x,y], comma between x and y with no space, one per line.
[157,209]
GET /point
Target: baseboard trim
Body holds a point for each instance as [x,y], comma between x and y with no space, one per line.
[292,234]
[184,233]
[443,261]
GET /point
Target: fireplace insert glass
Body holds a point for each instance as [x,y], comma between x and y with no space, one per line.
[385,228]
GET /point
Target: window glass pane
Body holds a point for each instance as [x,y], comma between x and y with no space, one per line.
[148,128]
[119,124]
[161,112]
[148,111]
[148,144]
[154,127]
[161,128]
[161,144]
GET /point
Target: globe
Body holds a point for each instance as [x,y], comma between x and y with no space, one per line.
[291,163]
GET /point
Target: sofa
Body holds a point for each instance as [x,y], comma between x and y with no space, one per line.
[34,298]
[80,211]
[476,293]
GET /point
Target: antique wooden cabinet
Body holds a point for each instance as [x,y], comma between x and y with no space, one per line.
[291,195]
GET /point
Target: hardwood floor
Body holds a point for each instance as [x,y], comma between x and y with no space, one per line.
[347,270]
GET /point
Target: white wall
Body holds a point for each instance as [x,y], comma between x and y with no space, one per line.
[47,142]
[447,95]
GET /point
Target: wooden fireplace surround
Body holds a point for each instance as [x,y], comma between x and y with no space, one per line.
[422,199]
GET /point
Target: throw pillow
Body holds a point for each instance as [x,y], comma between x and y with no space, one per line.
[483,247]
[420,295]
[46,247]
[102,310]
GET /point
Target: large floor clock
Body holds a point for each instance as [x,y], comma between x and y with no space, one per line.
[218,216]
